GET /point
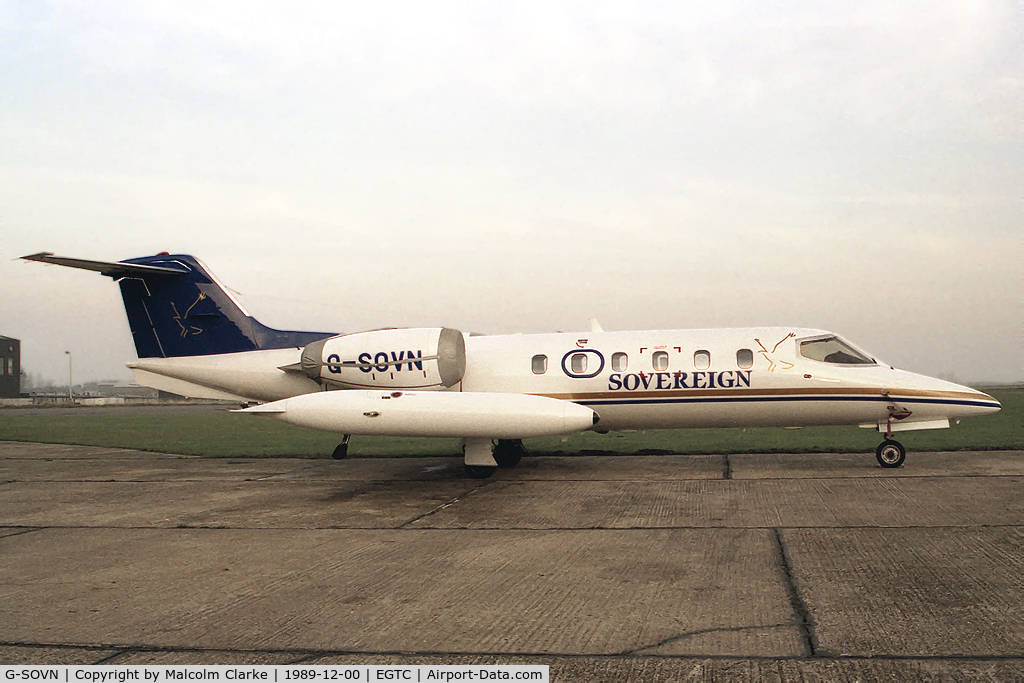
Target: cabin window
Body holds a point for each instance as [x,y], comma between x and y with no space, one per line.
[702,360]
[744,359]
[659,361]
[540,364]
[833,350]
[619,362]
[578,363]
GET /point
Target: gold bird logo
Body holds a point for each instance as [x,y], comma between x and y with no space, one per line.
[773,363]
[186,327]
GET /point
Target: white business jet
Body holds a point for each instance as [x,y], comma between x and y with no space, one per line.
[194,339]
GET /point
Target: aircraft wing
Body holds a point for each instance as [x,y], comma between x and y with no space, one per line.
[115,270]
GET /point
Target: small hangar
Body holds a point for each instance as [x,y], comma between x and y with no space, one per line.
[10,367]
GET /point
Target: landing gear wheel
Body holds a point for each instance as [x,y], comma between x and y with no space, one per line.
[341,452]
[480,471]
[509,452]
[891,453]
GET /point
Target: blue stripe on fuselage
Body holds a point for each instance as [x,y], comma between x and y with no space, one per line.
[776,399]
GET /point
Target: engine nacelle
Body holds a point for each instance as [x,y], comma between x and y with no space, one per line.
[420,358]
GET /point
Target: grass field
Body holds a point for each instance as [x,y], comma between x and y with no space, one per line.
[228,435]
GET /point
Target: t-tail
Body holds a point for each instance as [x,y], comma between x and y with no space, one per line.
[176,307]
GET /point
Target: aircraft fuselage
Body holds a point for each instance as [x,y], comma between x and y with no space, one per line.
[194,339]
[739,377]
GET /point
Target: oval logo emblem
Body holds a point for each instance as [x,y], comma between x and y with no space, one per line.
[583,363]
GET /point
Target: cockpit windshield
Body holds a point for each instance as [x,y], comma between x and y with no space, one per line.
[833,350]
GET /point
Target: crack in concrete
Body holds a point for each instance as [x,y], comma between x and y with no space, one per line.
[453,501]
[801,613]
[21,532]
[689,634]
[597,527]
[309,654]
[110,659]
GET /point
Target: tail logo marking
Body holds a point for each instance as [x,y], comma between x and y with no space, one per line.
[187,328]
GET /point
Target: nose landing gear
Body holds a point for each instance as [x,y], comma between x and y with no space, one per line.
[891,453]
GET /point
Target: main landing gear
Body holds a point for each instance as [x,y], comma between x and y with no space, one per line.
[484,457]
[509,452]
[479,471]
[891,453]
[341,452]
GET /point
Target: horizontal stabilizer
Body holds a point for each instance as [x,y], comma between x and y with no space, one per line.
[111,269]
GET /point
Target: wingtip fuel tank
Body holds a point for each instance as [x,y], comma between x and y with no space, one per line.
[431,413]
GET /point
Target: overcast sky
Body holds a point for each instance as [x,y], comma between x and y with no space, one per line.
[522,167]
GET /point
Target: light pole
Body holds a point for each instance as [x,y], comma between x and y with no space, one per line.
[71,379]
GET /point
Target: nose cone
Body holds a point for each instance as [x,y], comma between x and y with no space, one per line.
[984,404]
[931,398]
[964,401]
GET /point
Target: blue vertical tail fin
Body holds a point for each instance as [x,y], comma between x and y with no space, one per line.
[176,307]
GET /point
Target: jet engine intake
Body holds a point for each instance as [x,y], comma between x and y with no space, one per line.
[418,358]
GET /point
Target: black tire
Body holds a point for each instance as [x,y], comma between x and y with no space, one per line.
[341,452]
[480,471]
[891,453]
[509,452]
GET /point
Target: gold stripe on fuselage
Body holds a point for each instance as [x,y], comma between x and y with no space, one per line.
[822,391]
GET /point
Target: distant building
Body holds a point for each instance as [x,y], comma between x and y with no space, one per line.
[10,368]
[117,389]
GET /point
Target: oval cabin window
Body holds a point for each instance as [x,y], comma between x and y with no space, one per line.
[578,363]
[619,362]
